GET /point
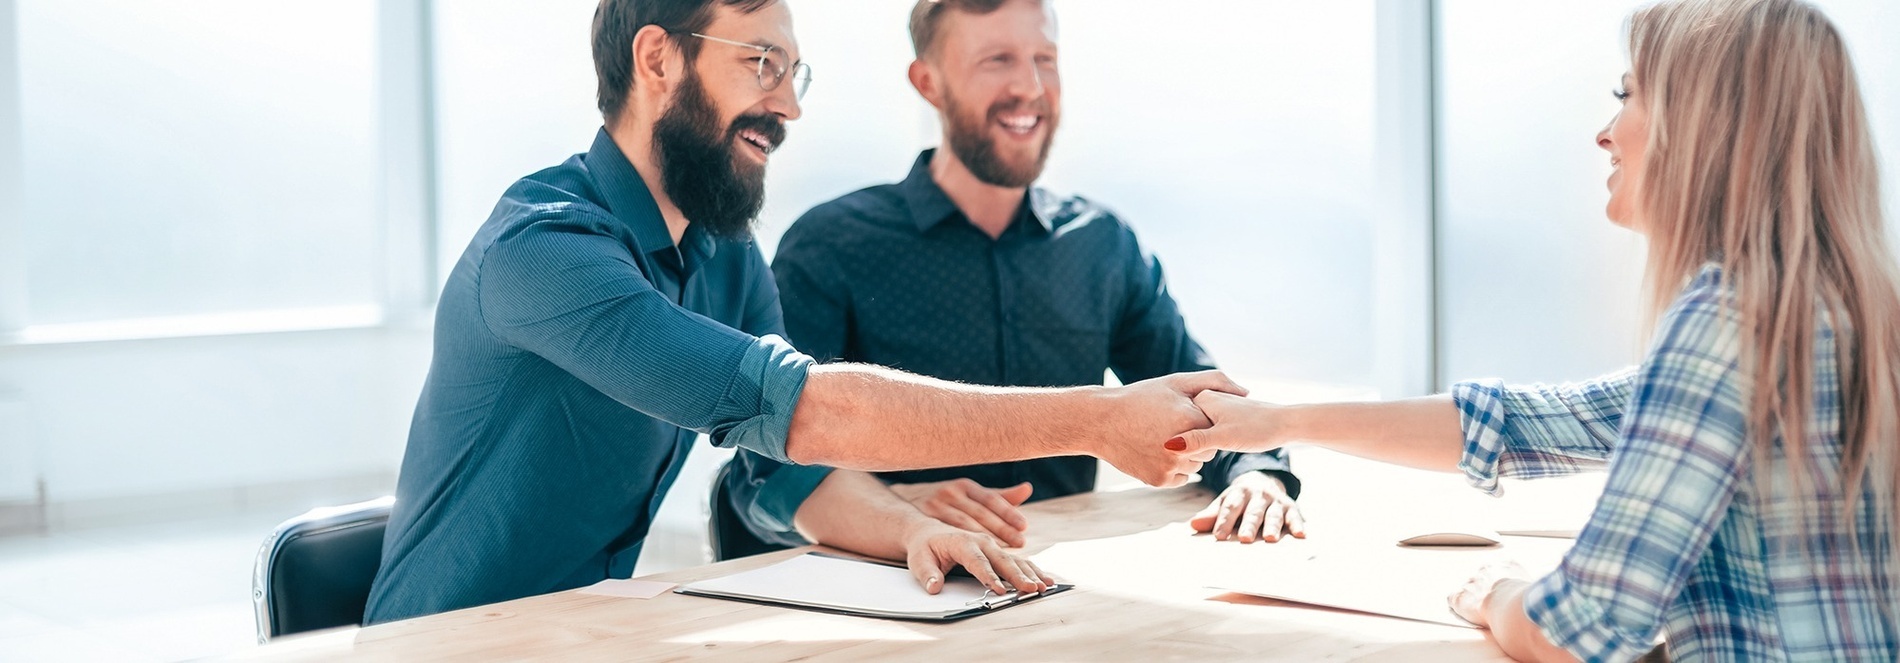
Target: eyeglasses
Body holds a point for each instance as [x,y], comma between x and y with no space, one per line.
[772,68]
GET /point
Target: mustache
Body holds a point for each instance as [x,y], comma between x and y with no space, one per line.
[769,126]
[1039,105]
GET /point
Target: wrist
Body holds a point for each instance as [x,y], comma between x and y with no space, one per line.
[917,526]
[1092,408]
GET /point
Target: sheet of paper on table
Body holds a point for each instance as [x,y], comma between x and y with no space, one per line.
[1353,572]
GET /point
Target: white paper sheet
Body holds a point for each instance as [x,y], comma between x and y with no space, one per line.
[828,582]
[629,589]
[1368,572]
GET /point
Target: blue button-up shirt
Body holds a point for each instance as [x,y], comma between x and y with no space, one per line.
[1685,540]
[896,275]
[578,353]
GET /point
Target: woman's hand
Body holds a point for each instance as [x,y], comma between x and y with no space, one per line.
[1239,424]
[1473,601]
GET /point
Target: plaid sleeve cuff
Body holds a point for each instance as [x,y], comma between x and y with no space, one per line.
[1578,623]
[1481,416]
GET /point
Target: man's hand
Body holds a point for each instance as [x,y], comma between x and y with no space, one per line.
[1256,506]
[1143,415]
[968,505]
[934,548]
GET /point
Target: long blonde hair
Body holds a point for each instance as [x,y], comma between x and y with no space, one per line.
[1759,157]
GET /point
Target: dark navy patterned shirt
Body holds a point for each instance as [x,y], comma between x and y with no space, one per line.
[578,353]
[896,275]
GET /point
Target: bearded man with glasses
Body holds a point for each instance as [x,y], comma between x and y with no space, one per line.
[615,306]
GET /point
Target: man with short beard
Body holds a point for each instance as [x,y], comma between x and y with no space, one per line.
[964,272]
[614,307]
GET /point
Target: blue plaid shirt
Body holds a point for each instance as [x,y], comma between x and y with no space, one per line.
[1685,538]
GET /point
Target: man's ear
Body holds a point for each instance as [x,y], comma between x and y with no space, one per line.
[657,61]
[927,82]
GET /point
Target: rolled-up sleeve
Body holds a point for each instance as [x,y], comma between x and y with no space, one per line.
[1682,456]
[1538,431]
[765,493]
[567,290]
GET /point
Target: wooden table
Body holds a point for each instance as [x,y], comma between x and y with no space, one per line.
[1103,619]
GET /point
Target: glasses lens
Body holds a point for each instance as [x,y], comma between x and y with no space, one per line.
[801,80]
[772,68]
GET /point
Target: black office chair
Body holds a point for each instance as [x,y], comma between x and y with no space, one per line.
[729,536]
[314,570]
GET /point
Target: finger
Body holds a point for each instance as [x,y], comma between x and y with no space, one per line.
[954,518]
[1047,580]
[1295,522]
[977,562]
[1274,519]
[1204,520]
[1203,455]
[924,567]
[1001,506]
[1251,518]
[1195,383]
[1192,443]
[1229,516]
[992,524]
[1018,494]
[1017,575]
[1175,480]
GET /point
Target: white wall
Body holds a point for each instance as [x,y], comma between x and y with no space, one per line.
[197,168]
[1535,284]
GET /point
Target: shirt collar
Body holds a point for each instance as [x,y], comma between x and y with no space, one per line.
[627,197]
[930,206]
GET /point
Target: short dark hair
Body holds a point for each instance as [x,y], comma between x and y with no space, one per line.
[926,19]
[617,21]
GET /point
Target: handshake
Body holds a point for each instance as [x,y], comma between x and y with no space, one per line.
[1161,431]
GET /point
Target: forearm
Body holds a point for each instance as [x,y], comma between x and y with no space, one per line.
[1423,433]
[1517,635]
[870,418]
[857,512]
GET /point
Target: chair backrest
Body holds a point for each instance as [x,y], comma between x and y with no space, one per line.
[729,536]
[314,571]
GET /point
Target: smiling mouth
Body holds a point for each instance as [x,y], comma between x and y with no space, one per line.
[754,138]
[1020,124]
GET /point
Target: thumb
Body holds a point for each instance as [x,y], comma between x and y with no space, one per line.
[924,567]
[1204,521]
[1194,442]
[1018,493]
[1195,383]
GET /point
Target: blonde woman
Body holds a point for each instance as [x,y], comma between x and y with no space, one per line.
[1749,510]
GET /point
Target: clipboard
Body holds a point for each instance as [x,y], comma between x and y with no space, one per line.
[859,588]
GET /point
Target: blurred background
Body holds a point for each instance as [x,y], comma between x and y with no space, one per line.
[223,224]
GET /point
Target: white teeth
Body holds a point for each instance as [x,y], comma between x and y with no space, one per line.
[1020,123]
[757,140]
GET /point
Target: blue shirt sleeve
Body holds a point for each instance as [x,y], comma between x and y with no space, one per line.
[1679,463]
[766,494]
[569,291]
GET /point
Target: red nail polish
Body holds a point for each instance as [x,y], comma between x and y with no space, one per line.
[1176,444]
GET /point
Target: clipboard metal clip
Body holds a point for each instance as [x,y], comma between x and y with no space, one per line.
[991,599]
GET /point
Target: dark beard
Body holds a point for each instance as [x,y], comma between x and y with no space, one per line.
[712,187]
[977,149]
